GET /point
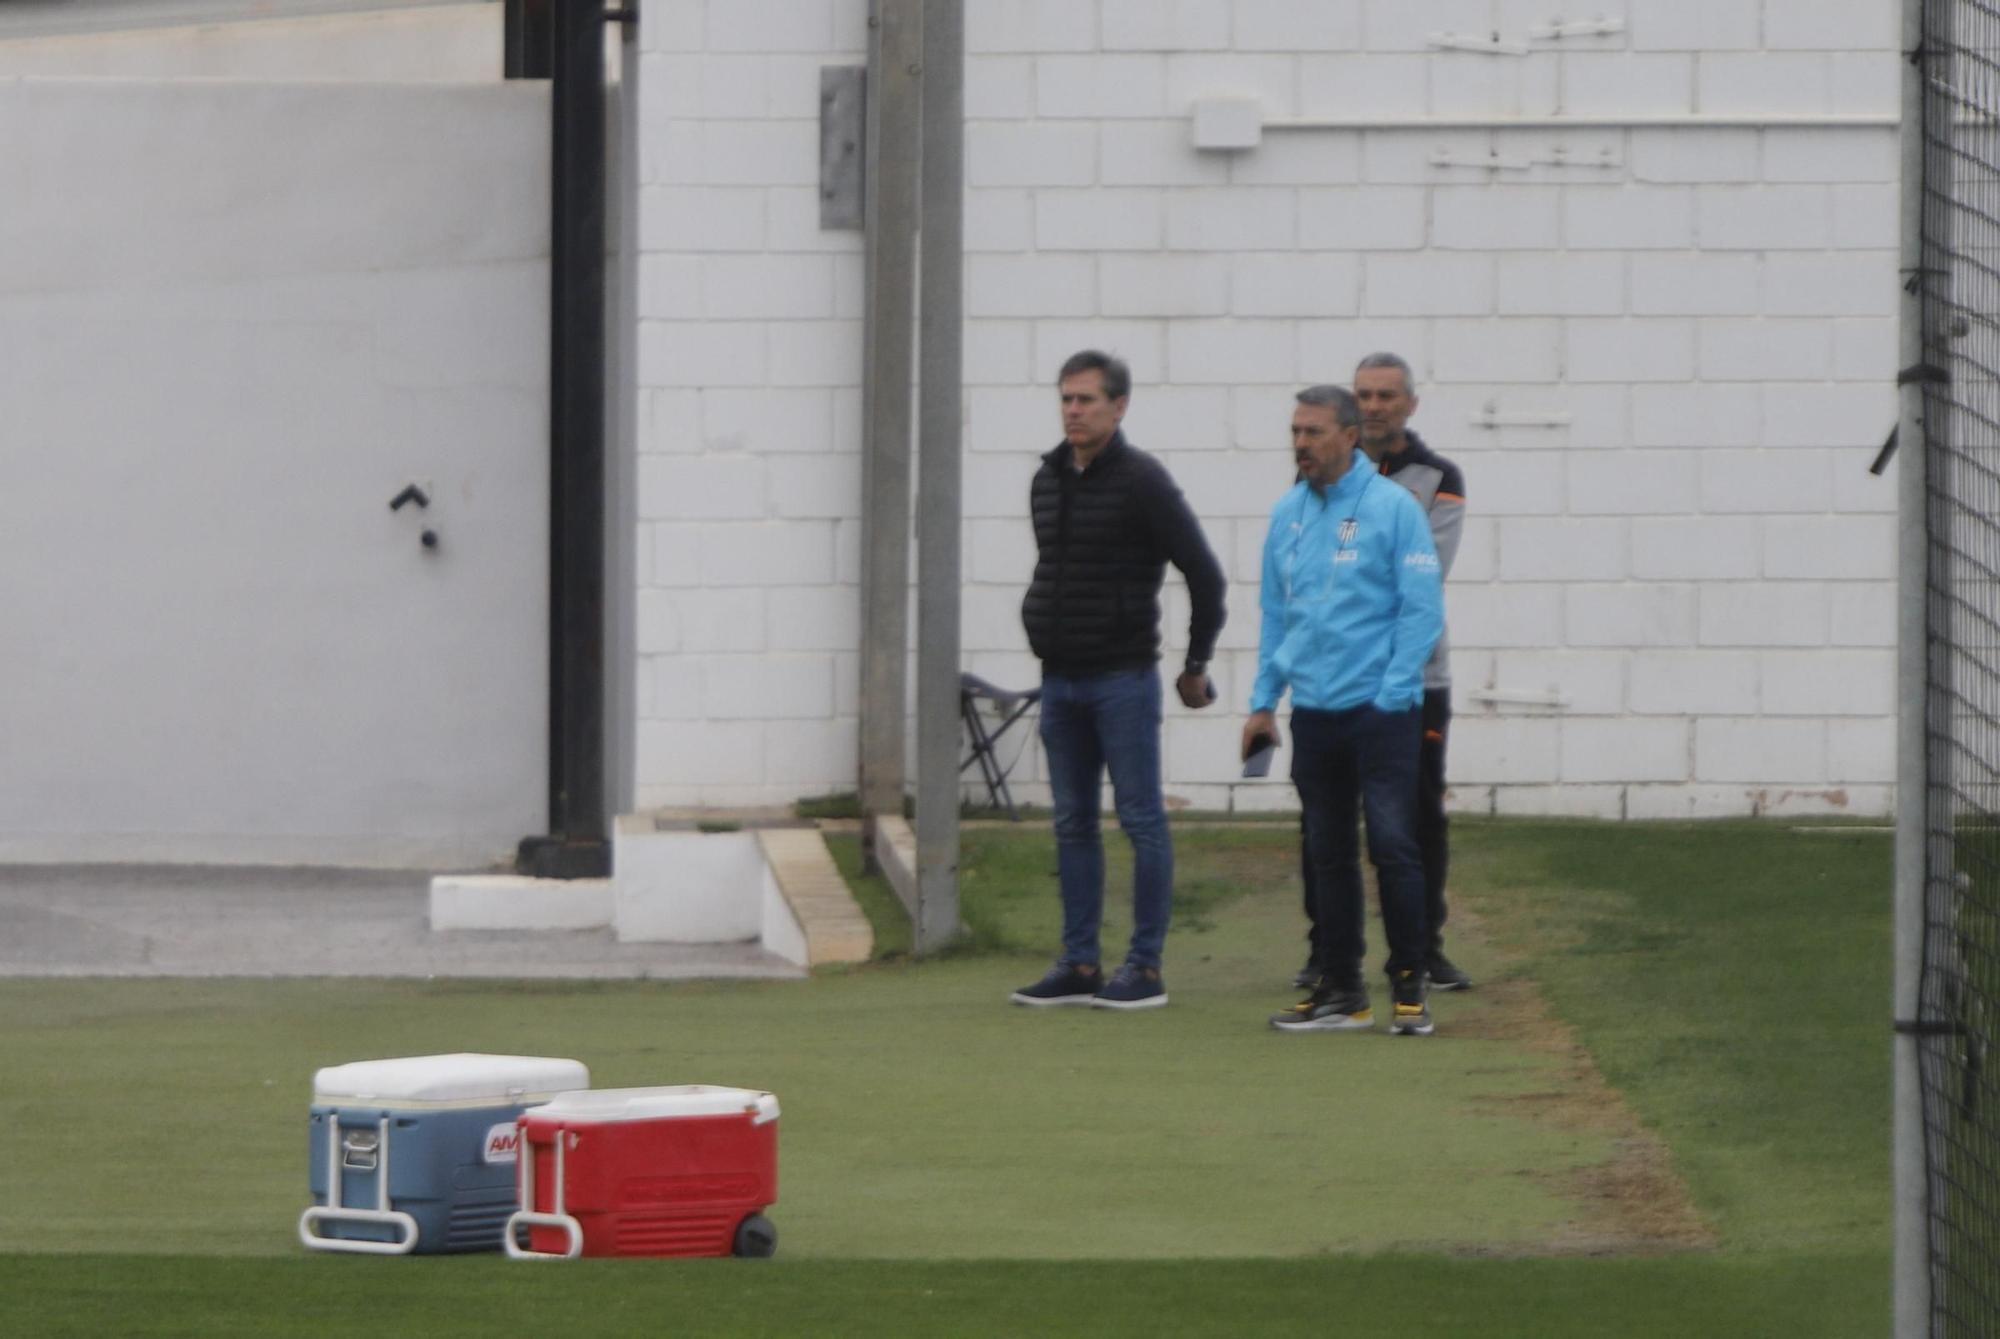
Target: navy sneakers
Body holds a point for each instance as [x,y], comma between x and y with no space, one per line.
[1132,987]
[1065,983]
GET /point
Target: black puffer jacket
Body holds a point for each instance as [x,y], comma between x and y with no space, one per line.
[1103,538]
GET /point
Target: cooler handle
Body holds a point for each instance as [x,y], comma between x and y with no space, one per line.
[529,1217]
[405,1225]
[334,1212]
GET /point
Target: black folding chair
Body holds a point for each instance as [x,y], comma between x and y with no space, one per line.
[1008,708]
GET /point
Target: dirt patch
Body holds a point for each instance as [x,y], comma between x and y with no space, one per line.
[1634,1204]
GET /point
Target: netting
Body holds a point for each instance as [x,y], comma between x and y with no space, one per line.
[1960,992]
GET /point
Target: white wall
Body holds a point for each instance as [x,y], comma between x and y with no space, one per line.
[433,43]
[235,319]
[748,375]
[1685,335]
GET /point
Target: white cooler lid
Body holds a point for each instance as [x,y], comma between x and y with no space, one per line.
[465,1079]
[689,1099]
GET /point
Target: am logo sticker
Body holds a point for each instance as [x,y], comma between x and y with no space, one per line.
[503,1144]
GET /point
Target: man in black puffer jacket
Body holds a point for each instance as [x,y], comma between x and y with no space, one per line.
[1108,518]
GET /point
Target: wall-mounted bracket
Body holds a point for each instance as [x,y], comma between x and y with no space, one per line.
[1484,44]
[843,102]
[1552,699]
[1605,158]
[1492,162]
[1492,416]
[1557,29]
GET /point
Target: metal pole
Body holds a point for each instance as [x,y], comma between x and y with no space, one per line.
[871,119]
[621,679]
[885,559]
[1912,1284]
[939,505]
[577,844]
[526,40]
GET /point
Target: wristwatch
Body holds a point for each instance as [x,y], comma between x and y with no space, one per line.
[1195,667]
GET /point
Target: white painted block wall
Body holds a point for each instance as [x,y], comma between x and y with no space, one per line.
[1663,355]
[748,376]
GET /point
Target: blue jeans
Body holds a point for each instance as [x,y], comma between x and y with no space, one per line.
[1361,756]
[1090,724]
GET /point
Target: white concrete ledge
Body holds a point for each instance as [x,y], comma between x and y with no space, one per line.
[815,916]
[517,902]
[896,853]
[687,887]
[784,933]
[775,887]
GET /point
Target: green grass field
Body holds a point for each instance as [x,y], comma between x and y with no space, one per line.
[951,1165]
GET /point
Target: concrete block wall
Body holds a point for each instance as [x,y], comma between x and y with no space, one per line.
[1660,346]
[748,374]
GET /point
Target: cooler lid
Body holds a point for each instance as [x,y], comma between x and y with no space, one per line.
[603,1105]
[463,1079]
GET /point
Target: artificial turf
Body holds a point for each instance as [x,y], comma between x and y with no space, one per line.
[953,1166]
[208,1297]
[1733,979]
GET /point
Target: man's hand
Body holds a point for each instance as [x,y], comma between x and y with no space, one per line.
[1262,727]
[1196,690]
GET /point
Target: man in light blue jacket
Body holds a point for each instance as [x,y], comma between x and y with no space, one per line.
[1352,604]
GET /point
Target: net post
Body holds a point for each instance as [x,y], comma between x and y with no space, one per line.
[1911,1290]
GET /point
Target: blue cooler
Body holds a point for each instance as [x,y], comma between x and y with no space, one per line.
[448,1120]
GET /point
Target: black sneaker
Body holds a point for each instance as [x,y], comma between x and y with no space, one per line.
[1412,1016]
[1444,974]
[1330,1008]
[1066,983]
[1132,987]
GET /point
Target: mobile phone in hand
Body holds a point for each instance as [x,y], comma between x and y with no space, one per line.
[1263,748]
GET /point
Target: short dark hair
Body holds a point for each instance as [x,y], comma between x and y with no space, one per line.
[1390,360]
[1346,410]
[1117,376]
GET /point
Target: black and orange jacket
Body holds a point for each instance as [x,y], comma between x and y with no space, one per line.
[1440,491]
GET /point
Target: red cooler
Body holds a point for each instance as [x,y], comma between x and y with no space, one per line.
[647,1171]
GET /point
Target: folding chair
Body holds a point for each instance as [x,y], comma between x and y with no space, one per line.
[1010,708]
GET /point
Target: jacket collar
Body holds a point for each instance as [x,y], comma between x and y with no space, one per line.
[1348,484]
[1059,458]
[1414,452]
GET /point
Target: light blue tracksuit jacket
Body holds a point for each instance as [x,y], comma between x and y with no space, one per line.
[1352,599]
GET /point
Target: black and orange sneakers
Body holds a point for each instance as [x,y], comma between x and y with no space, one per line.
[1330,1008]
[1412,1016]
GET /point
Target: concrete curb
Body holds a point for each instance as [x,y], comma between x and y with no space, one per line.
[835,929]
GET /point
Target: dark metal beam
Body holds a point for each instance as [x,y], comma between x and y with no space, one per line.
[577,844]
[529,52]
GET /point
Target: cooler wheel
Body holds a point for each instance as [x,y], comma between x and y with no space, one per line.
[756,1238]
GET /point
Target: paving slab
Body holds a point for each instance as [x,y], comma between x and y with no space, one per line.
[180,920]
